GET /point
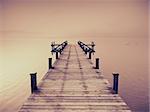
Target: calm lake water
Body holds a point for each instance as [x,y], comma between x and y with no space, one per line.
[20,56]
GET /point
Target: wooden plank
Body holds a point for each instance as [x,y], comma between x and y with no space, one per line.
[31,110]
[76,107]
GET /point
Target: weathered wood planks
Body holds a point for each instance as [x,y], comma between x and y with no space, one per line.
[74,86]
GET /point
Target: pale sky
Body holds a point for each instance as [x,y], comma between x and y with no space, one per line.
[75,18]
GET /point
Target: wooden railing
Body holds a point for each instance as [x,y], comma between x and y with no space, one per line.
[58,48]
[87,48]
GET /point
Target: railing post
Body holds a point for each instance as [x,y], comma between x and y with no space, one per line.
[52,45]
[92,44]
[56,55]
[50,63]
[115,82]
[90,55]
[33,82]
[97,63]
[86,51]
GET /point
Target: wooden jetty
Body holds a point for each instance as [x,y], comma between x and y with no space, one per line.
[73,85]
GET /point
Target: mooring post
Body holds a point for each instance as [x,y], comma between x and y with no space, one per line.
[97,63]
[33,82]
[56,55]
[115,82]
[90,56]
[50,63]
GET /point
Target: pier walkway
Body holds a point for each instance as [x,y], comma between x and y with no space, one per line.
[74,86]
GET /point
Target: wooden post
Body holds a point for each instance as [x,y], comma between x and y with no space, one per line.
[115,82]
[90,55]
[52,44]
[56,55]
[50,63]
[33,82]
[92,44]
[97,63]
[86,51]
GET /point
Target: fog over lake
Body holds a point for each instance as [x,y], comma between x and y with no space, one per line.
[119,29]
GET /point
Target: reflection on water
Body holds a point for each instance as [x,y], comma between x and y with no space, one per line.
[127,56]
